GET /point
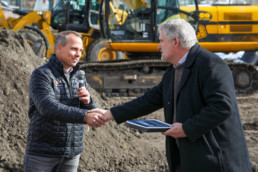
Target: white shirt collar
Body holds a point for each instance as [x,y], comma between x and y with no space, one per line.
[65,72]
[182,60]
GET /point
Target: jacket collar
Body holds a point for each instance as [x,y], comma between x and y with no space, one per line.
[191,57]
[54,61]
[193,53]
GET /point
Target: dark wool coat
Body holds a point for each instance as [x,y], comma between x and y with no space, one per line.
[206,106]
[57,117]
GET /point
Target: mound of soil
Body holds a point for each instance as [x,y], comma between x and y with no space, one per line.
[249,115]
[111,148]
[17,61]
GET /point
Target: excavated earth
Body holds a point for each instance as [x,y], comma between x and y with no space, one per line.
[111,148]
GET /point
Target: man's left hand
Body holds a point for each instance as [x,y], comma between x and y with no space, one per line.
[176,131]
[84,95]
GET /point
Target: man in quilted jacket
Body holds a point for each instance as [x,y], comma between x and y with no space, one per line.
[59,101]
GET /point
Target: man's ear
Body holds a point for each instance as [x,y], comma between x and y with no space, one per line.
[177,42]
[58,47]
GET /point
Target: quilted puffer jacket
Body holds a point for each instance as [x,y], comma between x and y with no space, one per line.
[57,116]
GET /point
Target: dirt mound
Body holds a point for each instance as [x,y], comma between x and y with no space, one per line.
[249,115]
[111,148]
[17,61]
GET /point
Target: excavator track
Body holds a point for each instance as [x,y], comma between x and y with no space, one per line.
[124,78]
[134,77]
[245,77]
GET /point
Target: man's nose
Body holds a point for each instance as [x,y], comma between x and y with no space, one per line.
[159,47]
[78,53]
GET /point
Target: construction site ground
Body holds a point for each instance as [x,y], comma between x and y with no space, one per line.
[111,148]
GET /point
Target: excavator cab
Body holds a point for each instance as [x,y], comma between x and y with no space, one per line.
[75,15]
[70,15]
[137,21]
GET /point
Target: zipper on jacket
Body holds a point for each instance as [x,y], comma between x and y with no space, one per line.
[73,125]
[71,135]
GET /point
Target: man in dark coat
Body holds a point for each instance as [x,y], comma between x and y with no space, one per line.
[59,102]
[198,97]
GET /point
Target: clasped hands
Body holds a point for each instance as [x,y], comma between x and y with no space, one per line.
[95,117]
[98,117]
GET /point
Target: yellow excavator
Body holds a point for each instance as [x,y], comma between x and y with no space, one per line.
[131,27]
[41,27]
[34,26]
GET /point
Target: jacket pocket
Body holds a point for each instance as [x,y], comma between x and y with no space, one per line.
[208,145]
[213,147]
[200,156]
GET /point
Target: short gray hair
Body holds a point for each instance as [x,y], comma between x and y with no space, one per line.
[62,37]
[181,29]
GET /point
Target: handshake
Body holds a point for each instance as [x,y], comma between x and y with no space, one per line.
[98,117]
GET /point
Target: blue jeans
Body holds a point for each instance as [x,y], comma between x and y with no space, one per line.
[34,163]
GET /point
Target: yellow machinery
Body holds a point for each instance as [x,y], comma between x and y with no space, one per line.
[220,28]
[131,27]
[40,28]
[34,26]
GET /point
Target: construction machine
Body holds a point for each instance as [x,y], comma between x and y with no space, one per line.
[41,27]
[83,16]
[33,25]
[131,27]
